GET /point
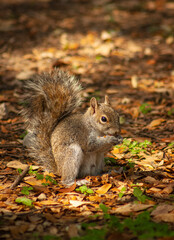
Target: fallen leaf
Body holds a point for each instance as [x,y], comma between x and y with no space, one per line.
[162,208]
[76,203]
[46,202]
[33,181]
[70,189]
[95,198]
[73,230]
[130,208]
[169,189]
[163,212]
[155,123]
[103,189]
[17,164]
[50,217]
[3,129]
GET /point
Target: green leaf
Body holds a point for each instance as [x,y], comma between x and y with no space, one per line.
[39,176]
[49,178]
[139,195]
[92,234]
[90,191]
[171,144]
[82,189]
[85,190]
[144,228]
[26,201]
[103,207]
[137,192]
[145,108]
[19,170]
[170,112]
[25,190]
[122,191]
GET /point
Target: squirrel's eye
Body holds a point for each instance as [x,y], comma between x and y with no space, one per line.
[103,119]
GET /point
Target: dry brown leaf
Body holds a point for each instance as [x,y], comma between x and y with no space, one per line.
[3,129]
[135,112]
[76,203]
[154,190]
[95,198]
[162,208]
[46,202]
[33,181]
[164,212]
[17,164]
[167,217]
[150,180]
[155,123]
[104,49]
[103,189]
[169,189]
[66,190]
[50,217]
[73,230]
[131,207]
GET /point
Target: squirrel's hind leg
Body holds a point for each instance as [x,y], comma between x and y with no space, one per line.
[73,157]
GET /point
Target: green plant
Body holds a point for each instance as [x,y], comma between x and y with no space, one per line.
[85,190]
[133,146]
[50,179]
[145,108]
[19,170]
[141,227]
[122,192]
[144,228]
[41,177]
[110,160]
[26,190]
[138,193]
[25,201]
[171,145]
[131,163]
[170,112]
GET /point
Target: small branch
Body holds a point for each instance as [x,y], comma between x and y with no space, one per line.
[20,177]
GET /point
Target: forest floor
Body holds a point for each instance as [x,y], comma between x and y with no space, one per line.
[120,48]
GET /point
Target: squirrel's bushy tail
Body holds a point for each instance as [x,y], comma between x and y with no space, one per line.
[49,98]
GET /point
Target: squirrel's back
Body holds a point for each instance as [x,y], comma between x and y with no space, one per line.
[49,98]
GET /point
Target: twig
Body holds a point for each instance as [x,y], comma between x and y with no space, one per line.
[20,177]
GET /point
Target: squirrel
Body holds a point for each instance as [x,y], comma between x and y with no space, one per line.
[66,142]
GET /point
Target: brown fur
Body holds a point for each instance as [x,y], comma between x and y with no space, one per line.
[69,144]
[49,98]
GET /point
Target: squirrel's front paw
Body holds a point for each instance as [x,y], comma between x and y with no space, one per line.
[119,139]
[115,140]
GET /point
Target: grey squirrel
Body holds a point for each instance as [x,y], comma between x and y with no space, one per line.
[65,142]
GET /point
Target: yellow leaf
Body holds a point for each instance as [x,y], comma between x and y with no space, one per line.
[117,150]
[95,198]
[49,174]
[46,202]
[103,189]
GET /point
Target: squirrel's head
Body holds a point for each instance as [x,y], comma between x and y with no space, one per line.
[104,118]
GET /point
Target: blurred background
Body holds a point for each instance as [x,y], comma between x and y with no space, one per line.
[121,48]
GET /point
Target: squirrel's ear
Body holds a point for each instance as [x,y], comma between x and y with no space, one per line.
[107,102]
[93,105]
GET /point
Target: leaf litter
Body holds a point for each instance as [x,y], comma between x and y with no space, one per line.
[129,56]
